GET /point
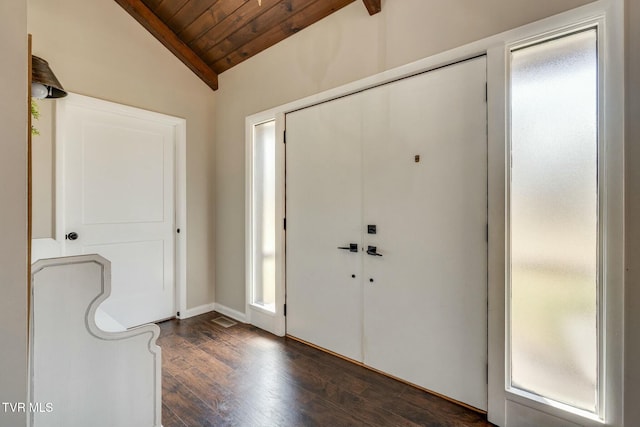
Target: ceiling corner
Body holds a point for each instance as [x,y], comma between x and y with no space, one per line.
[373,6]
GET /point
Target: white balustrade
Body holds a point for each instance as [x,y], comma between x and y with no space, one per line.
[82,375]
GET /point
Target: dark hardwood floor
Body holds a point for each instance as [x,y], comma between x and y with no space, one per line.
[243,376]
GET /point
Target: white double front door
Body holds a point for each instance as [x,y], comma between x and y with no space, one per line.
[409,158]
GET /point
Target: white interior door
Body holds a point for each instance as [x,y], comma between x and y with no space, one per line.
[324,205]
[424,161]
[118,199]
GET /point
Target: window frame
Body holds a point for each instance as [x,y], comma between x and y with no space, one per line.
[597,414]
[603,16]
[272,321]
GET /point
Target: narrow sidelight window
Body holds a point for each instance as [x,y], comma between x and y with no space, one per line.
[554,227]
[264,216]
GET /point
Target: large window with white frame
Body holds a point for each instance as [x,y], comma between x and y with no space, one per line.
[554,257]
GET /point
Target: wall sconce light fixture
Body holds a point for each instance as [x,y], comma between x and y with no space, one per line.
[44,83]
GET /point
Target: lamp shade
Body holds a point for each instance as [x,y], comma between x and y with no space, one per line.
[41,73]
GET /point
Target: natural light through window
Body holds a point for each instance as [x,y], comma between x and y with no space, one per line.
[554,220]
[264,216]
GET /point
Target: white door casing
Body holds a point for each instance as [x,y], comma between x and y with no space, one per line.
[118,193]
[352,162]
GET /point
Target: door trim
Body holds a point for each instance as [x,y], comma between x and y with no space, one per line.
[273,322]
[180,178]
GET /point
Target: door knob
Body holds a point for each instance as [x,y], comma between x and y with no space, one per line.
[372,250]
[71,236]
[353,247]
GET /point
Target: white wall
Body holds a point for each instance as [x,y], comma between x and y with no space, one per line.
[632,215]
[43,173]
[95,48]
[344,47]
[13,214]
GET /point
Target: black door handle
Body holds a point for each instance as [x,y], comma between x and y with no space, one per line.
[372,250]
[353,247]
[71,236]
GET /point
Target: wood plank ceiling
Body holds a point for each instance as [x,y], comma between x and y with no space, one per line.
[211,36]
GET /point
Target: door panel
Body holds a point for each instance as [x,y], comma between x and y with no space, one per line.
[119,198]
[123,175]
[324,206]
[139,275]
[425,311]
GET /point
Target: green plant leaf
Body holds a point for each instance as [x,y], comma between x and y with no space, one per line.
[35,114]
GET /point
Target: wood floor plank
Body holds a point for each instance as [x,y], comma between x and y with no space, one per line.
[188,407]
[444,413]
[197,356]
[243,376]
[169,419]
[341,365]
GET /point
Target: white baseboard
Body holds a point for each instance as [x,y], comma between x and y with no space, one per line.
[207,308]
[196,311]
[229,312]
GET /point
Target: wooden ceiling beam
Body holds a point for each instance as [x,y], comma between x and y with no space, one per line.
[373,6]
[170,40]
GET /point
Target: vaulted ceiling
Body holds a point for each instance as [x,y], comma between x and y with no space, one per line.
[211,36]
